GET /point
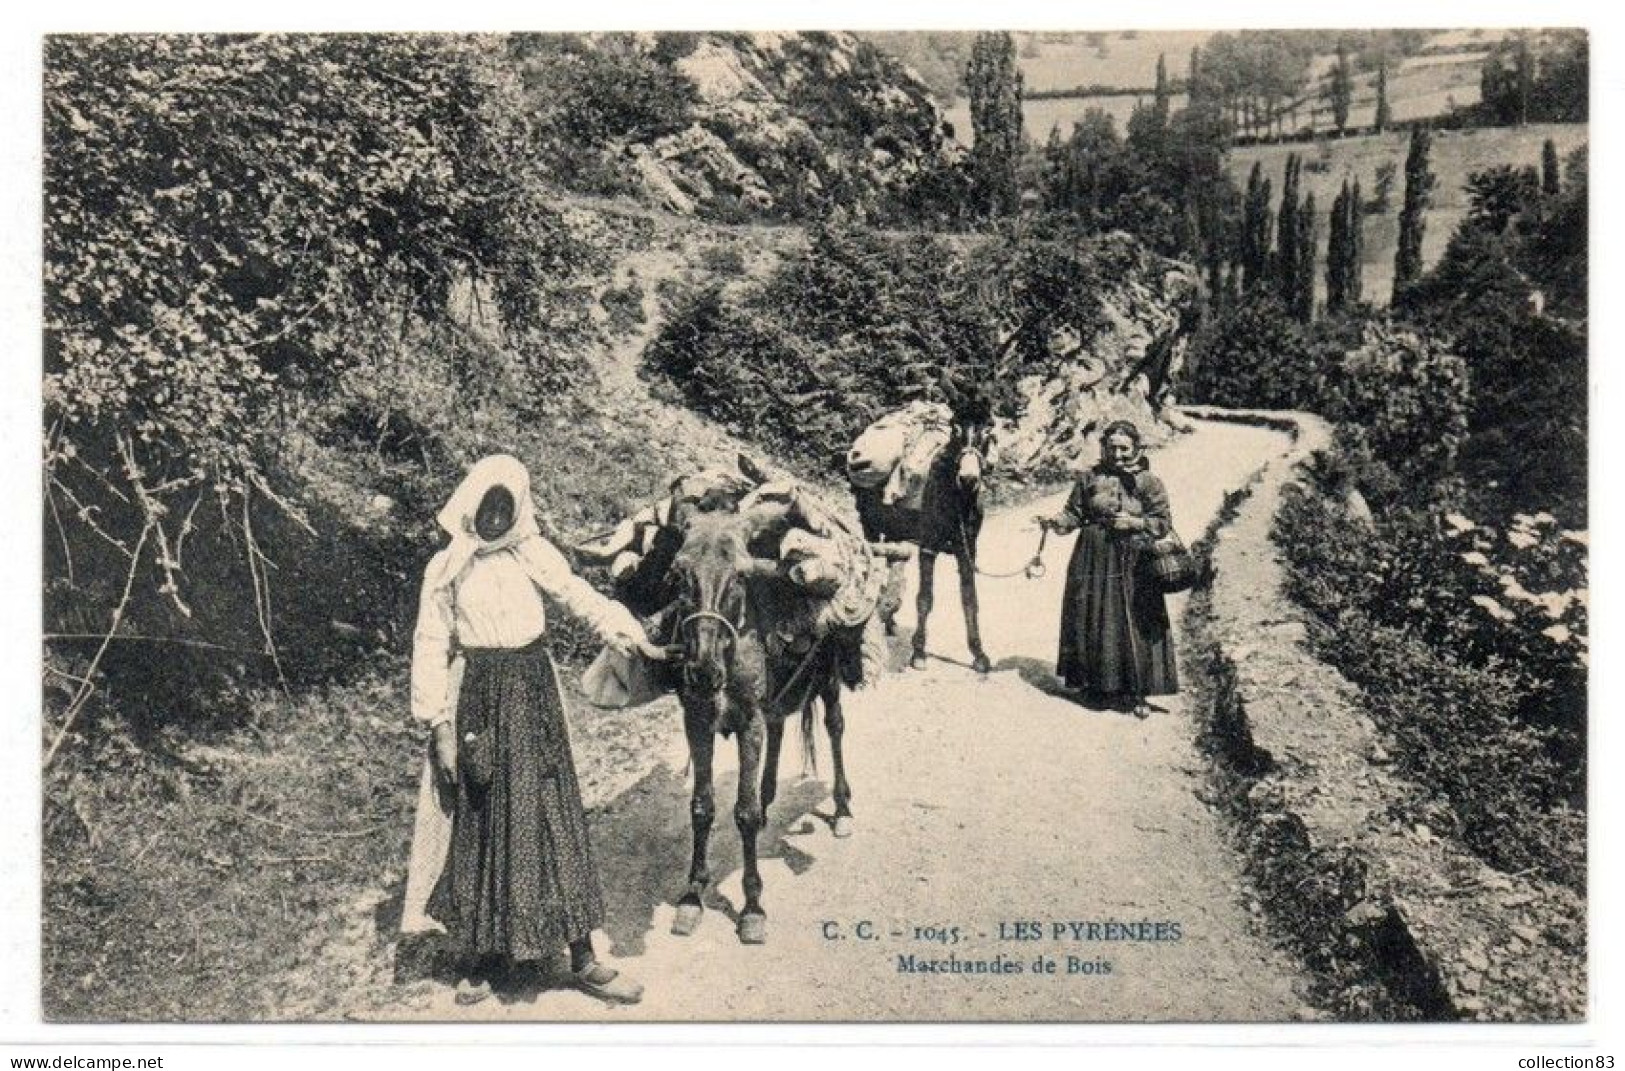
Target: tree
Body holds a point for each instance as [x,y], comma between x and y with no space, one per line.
[1354,249]
[1287,258]
[1551,183]
[1523,68]
[1419,183]
[1255,231]
[1303,273]
[1384,114]
[994,84]
[1498,195]
[1341,90]
[1162,101]
[1337,251]
[233,224]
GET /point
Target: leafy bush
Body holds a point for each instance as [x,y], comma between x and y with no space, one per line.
[233,226]
[1254,355]
[860,323]
[1481,707]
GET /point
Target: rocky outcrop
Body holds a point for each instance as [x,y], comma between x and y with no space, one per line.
[785,123]
[1122,370]
[1400,921]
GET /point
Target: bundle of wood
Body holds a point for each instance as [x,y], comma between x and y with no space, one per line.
[897,450]
[835,584]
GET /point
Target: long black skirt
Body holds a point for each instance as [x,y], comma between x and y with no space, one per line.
[520,881]
[1116,639]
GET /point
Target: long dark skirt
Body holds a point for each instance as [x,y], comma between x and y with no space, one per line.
[1115,635]
[520,881]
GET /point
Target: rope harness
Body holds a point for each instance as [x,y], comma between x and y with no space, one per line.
[733,634]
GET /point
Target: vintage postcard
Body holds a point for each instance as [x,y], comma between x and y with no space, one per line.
[1017,527]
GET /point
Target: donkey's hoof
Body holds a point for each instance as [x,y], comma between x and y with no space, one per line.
[981,665]
[917,660]
[843,826]
[752,929]
[687,919]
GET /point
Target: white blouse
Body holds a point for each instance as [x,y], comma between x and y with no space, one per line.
[496,604]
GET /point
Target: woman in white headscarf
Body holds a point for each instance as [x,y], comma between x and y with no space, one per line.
[517,880]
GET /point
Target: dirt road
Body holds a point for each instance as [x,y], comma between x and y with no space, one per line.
[982,805]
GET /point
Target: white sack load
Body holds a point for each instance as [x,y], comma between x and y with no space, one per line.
[897,451]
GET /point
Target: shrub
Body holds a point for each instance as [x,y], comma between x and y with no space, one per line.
[1255,355]
[1400,612]
[860,323]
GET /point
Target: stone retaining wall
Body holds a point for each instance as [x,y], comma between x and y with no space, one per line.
[1397,921]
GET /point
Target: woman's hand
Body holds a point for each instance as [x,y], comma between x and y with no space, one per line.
[445,752]
[628,644]
[1127,522]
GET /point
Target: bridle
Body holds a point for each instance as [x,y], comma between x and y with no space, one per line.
[712,615]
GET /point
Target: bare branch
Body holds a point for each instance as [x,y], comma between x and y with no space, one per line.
[83,694]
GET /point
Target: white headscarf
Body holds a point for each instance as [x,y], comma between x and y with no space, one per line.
[457,516]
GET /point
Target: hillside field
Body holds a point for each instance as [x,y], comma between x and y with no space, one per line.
[1455,155]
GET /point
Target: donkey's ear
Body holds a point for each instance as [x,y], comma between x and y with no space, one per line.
[751,470]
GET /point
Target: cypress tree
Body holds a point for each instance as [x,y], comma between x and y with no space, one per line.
[1342,90]
[1551,182]
[1286,232]
[1195,92]
[994,85]
[1303,274]
[1413,215]
[1354,248]
[1384,116]
[1336,251]
[1255,230]
[1524,72]
[1161,102]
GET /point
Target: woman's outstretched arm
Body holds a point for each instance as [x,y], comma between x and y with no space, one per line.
[1071,516]
[617,625]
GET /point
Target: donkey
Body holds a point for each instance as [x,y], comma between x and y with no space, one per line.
[729,607]
[948,522]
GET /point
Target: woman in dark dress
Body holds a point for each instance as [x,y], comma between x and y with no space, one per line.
[1116,640]
[518,882]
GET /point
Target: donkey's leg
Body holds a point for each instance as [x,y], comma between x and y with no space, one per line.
[748,817]
[922,605]
[835,724]
[770,765]
[702,809]
[965,558]
[809,743]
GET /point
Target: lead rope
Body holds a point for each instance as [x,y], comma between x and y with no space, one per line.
[1033,570]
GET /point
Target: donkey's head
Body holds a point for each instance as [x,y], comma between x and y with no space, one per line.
[972,441]
[710,579]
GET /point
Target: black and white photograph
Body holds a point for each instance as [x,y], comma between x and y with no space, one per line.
[808,526]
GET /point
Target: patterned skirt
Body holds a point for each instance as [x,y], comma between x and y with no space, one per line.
[520,881]
[1115,635]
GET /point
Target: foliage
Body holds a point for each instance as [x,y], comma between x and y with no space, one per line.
[1385,114]
[233,224]
[1253,356]
[1519,258]
[993,82]
[1536,79]
[1480,708]
[1340,89]
[859,324]
[586,97]
[1419,183]
[1405,399]
[1344,249]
